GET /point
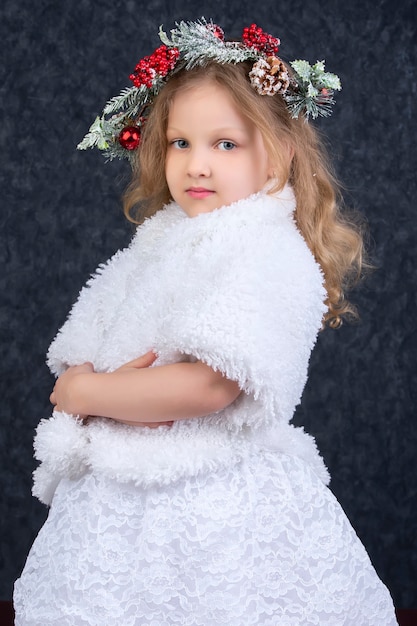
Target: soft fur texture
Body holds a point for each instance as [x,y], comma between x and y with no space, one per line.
[237,288]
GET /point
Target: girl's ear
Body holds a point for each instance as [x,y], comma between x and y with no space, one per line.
[272,169]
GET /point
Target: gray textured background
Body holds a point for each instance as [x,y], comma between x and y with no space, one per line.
[61,216]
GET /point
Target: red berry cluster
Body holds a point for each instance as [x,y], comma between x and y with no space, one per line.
[255,37]
[161,61]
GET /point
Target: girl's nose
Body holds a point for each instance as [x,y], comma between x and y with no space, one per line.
[198,164]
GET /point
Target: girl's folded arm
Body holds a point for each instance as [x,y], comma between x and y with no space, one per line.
[139,394]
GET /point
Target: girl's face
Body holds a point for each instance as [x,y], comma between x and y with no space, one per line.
[214,156]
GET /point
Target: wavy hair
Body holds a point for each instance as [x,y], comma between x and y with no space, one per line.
[297,155]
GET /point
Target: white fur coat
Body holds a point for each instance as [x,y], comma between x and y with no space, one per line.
[237,288]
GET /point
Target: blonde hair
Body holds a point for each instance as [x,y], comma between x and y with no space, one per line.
[297,155]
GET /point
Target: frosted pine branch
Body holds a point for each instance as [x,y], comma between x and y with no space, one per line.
[199,45]
[124,100]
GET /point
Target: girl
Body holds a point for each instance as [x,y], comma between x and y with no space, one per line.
[179,492]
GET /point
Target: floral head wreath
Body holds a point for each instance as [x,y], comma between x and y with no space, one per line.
[307,90]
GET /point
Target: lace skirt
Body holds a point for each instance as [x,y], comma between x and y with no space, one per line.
[262,543]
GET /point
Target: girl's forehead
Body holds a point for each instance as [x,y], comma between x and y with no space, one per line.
[199,88]
[205,96]
[207,107]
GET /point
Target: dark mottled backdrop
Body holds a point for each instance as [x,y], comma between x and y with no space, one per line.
[61,216]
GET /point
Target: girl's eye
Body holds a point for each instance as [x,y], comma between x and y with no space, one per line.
[226,145]
[181,144]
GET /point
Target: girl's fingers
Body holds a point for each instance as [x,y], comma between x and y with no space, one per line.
[85,367]
[145,360]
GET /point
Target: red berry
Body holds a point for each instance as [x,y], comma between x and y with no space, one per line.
[217,31]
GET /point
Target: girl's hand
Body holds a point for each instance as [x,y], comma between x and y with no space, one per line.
[61,396]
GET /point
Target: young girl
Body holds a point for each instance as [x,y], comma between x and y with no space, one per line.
[179,492]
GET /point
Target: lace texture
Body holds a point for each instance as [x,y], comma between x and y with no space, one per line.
[261,543]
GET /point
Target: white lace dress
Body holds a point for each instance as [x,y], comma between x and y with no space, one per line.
[222,520]
[265,543]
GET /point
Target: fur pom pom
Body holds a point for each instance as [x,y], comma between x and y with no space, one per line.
[61,444]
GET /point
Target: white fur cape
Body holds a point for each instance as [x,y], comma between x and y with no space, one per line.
[237,288]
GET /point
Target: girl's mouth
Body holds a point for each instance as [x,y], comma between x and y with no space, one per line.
[199,192]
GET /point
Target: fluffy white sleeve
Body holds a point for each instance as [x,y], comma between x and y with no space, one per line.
[252,311]
[102,303]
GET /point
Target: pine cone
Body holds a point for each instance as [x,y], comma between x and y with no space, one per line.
[269,76]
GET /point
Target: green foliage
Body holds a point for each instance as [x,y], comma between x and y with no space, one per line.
[312,91]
